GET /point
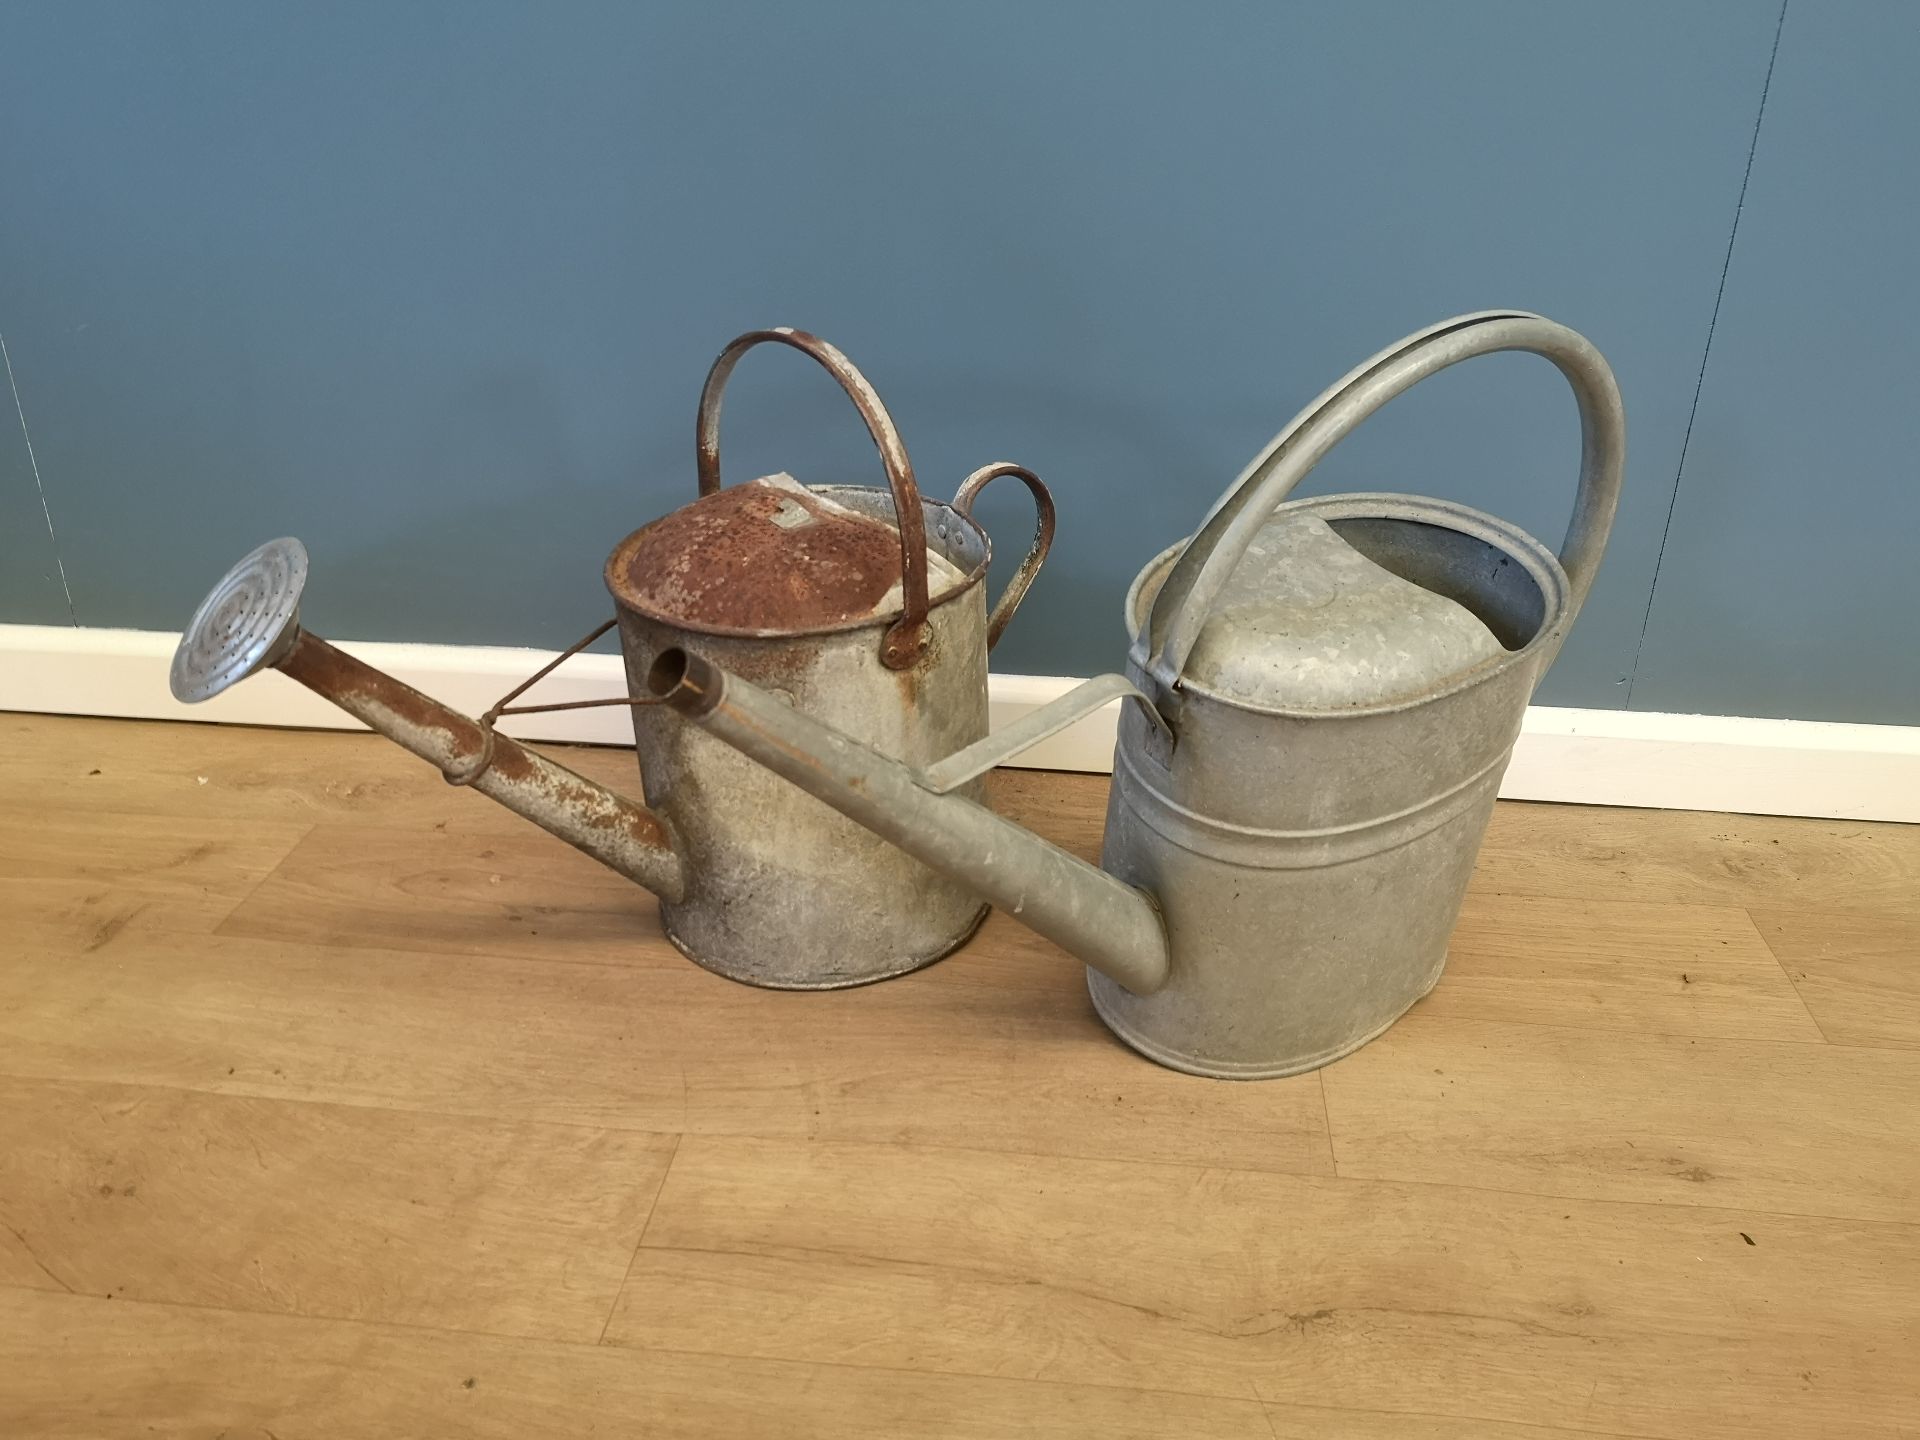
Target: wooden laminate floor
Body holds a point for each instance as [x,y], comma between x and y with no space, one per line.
[337,1103]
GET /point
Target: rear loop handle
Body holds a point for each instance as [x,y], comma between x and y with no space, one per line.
[1194,584]
[1023,578]
[906,638]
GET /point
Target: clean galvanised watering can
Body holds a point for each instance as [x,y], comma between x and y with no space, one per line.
[863,608]
[1322,696]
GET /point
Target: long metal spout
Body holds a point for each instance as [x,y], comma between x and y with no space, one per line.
[612,829]
[250,622]
[1106,923]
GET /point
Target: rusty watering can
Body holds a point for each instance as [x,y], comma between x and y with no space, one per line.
[1322,696]
[861,608]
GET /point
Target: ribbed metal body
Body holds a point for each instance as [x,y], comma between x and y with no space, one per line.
[1310,867]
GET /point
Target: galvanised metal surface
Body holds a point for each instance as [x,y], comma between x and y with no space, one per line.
[757,881]
[247,621]
[1062,897]
[1312,860]
[783,891]
[1311,865]
[1281,871]
[786,892]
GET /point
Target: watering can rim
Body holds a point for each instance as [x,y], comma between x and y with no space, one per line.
[1541,563]
[614,575]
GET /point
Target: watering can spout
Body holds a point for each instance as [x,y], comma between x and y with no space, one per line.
[1101,920]
[250,622]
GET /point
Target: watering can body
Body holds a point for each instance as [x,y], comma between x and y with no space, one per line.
[1321,697]
[1310,866]
[862,606]
[787,892]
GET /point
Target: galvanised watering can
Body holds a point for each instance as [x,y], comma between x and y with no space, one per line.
[1322,696]
[861,608]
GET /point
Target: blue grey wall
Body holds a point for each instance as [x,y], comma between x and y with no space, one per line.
[1790,585]
[434,287]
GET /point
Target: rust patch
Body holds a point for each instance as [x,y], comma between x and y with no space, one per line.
[338,676]
[645,827]
[787,669]
[596,807]
[908,677]
[755,557]
[512,762]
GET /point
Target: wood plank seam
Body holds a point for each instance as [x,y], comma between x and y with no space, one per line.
[1784,970]
[614,1125]
[1223,1393]
[1130,1388]
[362,1323]
[1326,1119]
[33,1255]
[1197,1167]
[281,1097]
[433,1112]
[613,1305]
[1334,1411]
[316,1317]
[1813,1040]
[254,888]
[427,1112]
[1686,1206]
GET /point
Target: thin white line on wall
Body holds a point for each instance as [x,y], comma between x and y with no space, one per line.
[34,462]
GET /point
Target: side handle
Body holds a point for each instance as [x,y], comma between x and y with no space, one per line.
[944,776]
[1023,578]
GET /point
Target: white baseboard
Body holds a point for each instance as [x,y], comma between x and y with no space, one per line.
[1591,757]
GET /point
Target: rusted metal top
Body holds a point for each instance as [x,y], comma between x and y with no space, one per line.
[906,637]
[759,558]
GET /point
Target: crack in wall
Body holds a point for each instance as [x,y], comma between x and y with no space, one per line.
[1706,352]
[33,463]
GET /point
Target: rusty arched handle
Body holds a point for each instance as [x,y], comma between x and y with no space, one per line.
[1023,578]
[906,638]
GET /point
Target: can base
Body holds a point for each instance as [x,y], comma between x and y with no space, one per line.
[762,981]
[1248,1069]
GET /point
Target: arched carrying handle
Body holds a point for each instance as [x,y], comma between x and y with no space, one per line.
[907,637]
[1191,589]
[1023,578]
